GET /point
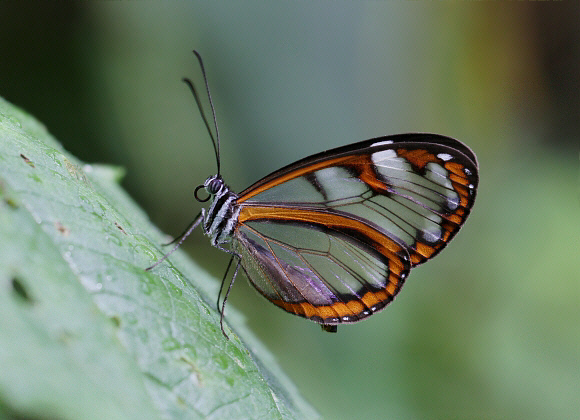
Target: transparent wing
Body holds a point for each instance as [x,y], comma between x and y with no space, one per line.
[330,270]
[415,189]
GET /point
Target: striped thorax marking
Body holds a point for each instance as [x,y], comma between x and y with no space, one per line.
[221,218]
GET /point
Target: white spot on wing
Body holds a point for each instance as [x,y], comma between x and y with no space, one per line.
[382,143]
[444,156]
[379,157]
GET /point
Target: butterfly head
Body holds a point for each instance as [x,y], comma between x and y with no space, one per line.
[212,186]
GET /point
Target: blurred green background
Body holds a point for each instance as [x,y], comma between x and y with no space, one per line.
[487,330]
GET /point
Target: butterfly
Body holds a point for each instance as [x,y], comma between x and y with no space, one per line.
[333,237]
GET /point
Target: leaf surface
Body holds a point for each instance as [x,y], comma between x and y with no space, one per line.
[85,331]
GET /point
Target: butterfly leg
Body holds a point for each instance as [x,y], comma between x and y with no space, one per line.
[222,311]
[184,233]
[191,228]
[223,282]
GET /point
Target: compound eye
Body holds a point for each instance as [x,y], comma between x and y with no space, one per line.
[214,186]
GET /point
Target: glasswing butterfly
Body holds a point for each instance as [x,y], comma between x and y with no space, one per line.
[332,237]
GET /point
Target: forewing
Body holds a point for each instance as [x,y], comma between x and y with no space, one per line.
[324,269]
[416,189]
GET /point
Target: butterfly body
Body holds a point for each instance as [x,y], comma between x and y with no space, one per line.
[333,237]
[219,221]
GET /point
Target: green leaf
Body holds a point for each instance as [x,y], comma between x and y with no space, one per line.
[85,331]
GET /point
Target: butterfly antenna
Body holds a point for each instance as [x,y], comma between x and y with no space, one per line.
[216,140]
[189,83]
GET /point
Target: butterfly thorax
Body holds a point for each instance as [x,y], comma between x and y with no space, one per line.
[220,219]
